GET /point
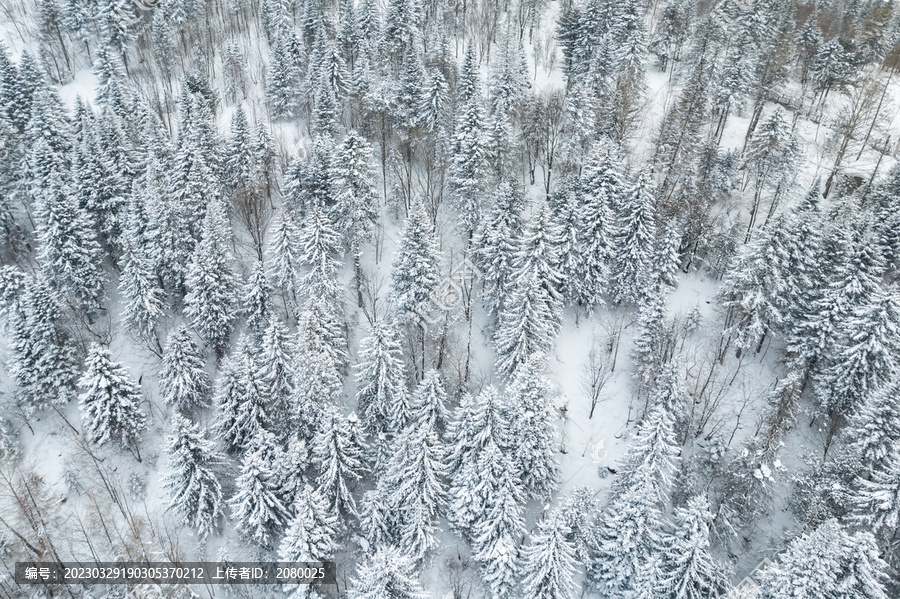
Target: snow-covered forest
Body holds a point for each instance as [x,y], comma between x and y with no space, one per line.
[508,299]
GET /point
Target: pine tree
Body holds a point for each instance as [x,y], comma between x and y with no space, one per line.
[548,562]
[239,159]
[689,570]
[239,400]
[381,394]
[274,371]
[828,562]
[312,532]
[195,492]
[497,522]
[578,510]
[415,272]
[877,424]
[257,510]
[68,252]
[649,348]
[139,285]
[467,171]
[635,240]
[534,444]
[210,281]
[318,242]
[356,203]
[415,475]
[868,356]
[564,208]
[532,315]
[876,502]
[284,256]
[184,382]
[387,574]
[650,462]
[256,302]
[496,243]
[42,359]
[481,465]
[428,405]
[110,401]
[337,452]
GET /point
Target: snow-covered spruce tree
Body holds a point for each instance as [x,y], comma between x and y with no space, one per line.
[110,401]
[579,511]
[876,427]
[629,541]
[429,403]
[143,295]
[469,165]
[634,241]
[356,201]
[671,393]
[256,303]
[387,574]
[497,516]
[532,313]
[193,485]
[312,532]
[284,257]
[382,397]
[209,303]
[238,155]
[652,458]
[876,502]
[70,256]
[602,188]
[319,247]
[183,381]
[337,453]
[274,372]
[416,478]
[321,362]
[828,562]
[533,446]
[256,508]
[867,355]
[564,206]
[650,350]
[415,271]
[548,565]
[689,569]
[239,400]
[496,243]
[42,358]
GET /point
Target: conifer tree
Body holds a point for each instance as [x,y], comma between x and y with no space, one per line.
[42,358]
[356,203]
[210,281]
[827,562]
[68,250]
[184,382]
[337,452]
[689,570]
[312,532]
[387,574]
[531,316]
[467,171]
[256,507]
[275,374]
[534,442]
[876,426]
[110,401]
[429,403]
[256,302]
[382,397]
[239,400]
[548,562]
[195,492]
[876,501]
[415,272]
[284,256]
[635,240]
[496,246]
[416,476]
